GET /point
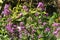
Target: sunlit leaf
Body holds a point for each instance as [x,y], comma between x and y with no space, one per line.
[1,1]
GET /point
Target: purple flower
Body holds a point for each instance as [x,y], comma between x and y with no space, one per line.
[6,12]
[21,14]
[44,23]
[9,28]
[6,6]
[58,29]
[25,8]
[40,5]
[21,23]
[55,24]
[47,29]
[55,32]
[22,27]
[36,14]
[33,31]
[15,26]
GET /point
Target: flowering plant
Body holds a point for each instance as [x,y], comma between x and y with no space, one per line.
[24,23]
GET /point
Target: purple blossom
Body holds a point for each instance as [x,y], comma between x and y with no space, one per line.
[55,32]
[40,5]
[47,29]
[23,27]
[15,25]
[55,24]
[9,28]
[33,31]
[6,6]
[6,12]
[25,8]
[21,23]
[36,14]
[44,23]
[58,29]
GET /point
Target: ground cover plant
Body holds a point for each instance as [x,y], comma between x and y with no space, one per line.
[26,22]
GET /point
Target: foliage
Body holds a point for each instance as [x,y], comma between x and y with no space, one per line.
[26,23]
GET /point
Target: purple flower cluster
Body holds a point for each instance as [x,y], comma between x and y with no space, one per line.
[12,28]
[56,31]
[6,10]
[30,28]
[9,27]
[56,24]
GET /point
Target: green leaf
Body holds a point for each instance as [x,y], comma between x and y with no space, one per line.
[33,11]
[1,1]
[38,32]
[58,39]
[40,39]
[51,20]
